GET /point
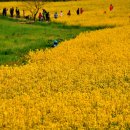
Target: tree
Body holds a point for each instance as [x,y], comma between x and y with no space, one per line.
[34,6]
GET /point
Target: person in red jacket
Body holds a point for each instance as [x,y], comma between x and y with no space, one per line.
[111,7]
[81,10]
[40,16]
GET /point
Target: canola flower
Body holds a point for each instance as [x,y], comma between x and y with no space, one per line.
[83,83]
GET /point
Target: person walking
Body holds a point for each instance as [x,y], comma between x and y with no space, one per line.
[69,13]
[61,13]
[81,10]
[40,16]
[77,11]
[111,7]
[23,13]
[12,12]
[4,12]
[47,16]
[44,14]
[55,15]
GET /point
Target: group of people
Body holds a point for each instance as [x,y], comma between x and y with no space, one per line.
[44,16]
[56,14]
[11,12]
[78,11]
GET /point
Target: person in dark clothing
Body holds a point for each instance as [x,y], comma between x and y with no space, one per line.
[4,11]
[12,12]
[77,11]
[55,43]
[27,17]
[17,12]
[48,16]
[69,13]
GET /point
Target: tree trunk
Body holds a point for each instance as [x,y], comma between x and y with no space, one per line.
[34,18]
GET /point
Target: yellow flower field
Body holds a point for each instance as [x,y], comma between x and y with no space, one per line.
[83,83]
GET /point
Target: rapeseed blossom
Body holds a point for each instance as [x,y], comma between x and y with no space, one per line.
[83,83]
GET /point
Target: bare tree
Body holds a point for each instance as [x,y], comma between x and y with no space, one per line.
[34,6]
